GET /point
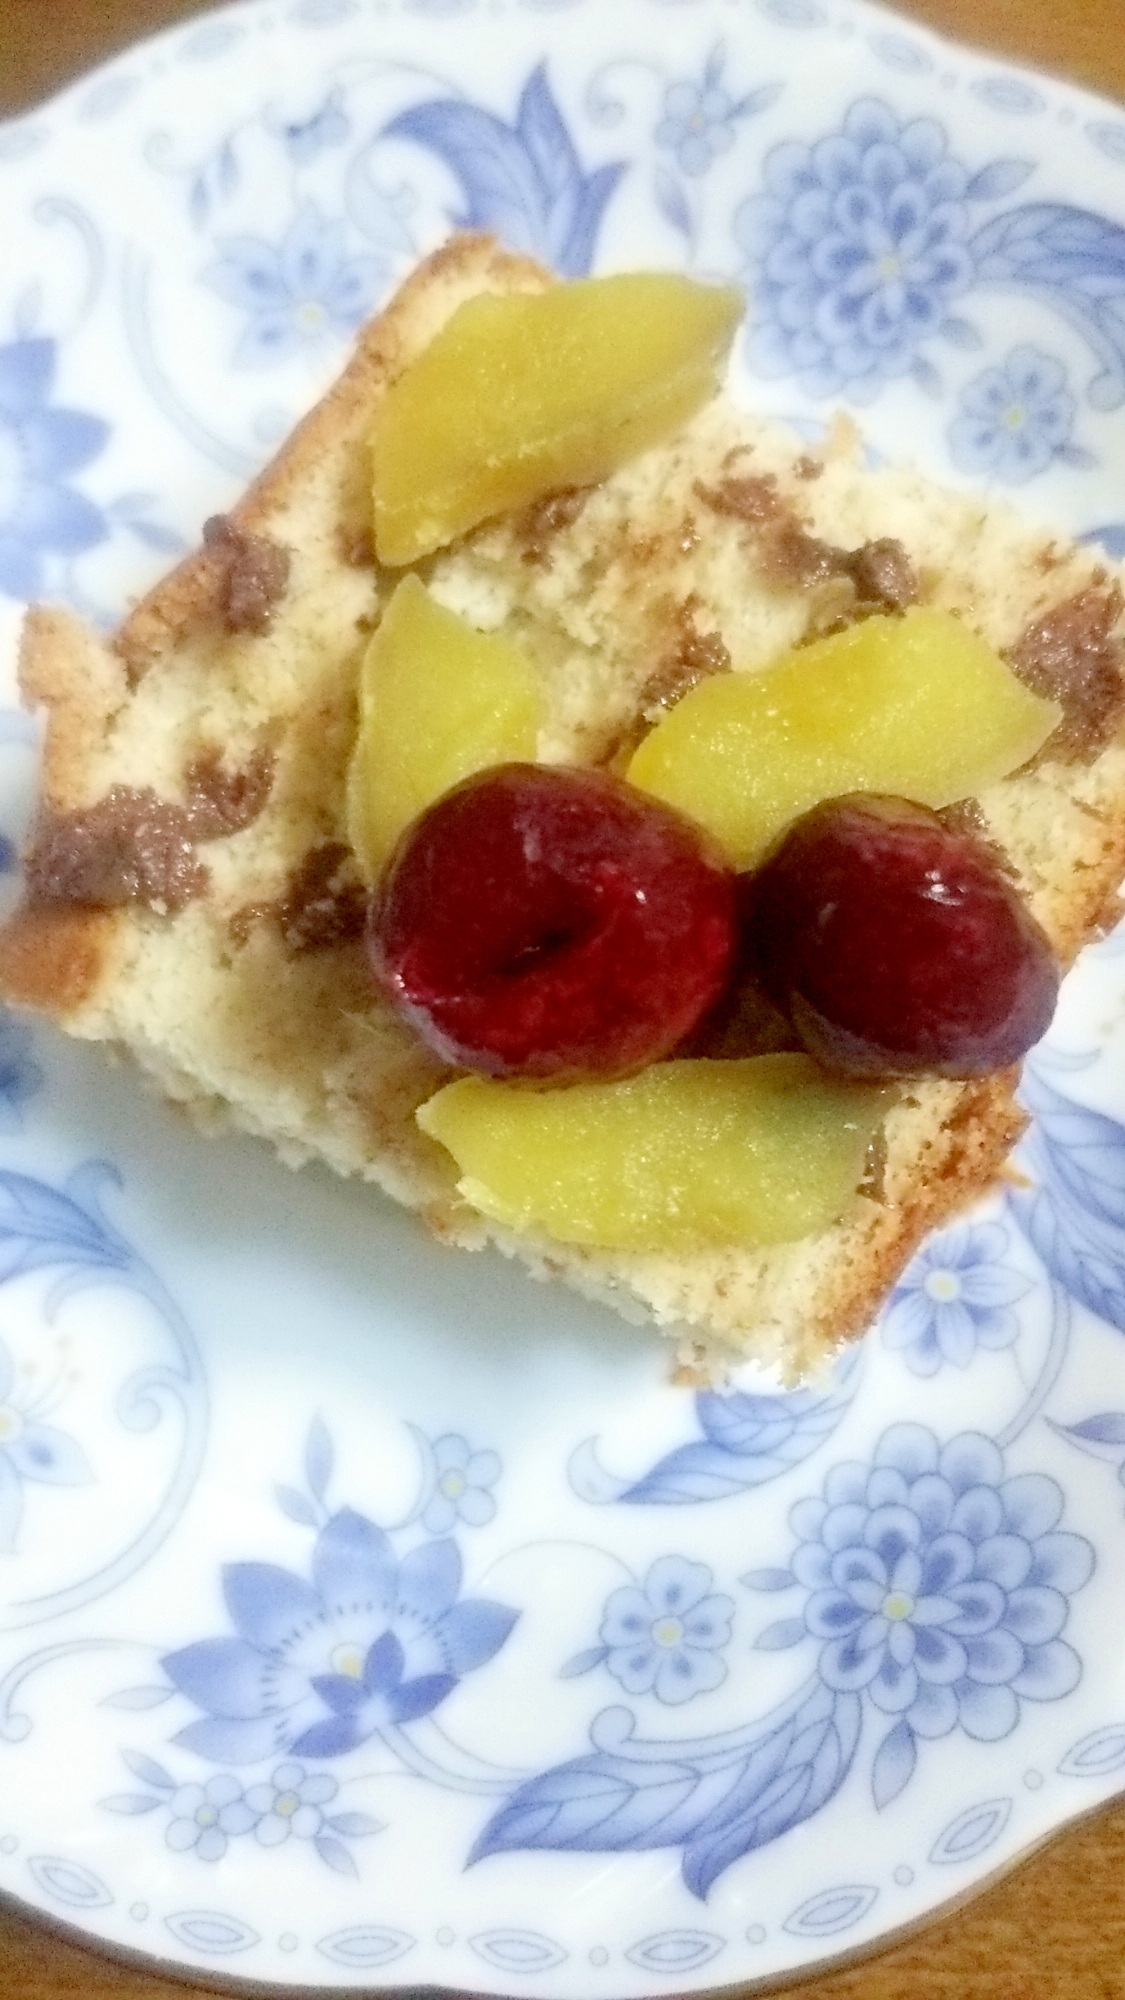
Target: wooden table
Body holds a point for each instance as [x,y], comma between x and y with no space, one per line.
[1055,1928]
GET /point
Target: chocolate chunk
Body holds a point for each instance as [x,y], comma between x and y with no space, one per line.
[808,468]
[883,574]
[255,574]
[750,499]
[131,847]
[221,801]
[324,903]
[1071,656]
[693,657]
[544,518]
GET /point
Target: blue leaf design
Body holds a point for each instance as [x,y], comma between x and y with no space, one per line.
[672,201]
[133,1699]
[39,1227]
[148,1770]
[630,1795]
[130,1803]
[1001,178]
[523,181]
[545,138]
[768,1579]
[1107,1429]
[319,1457]
[1096,1755]
[972,1832]
[354,1825]
[831,1911]
[777,1638]
[927,377]
[894,1764]
[747,1440]
[1075,261]
[296,1505]
[1074,1211]
[583,1663]
[335,1855]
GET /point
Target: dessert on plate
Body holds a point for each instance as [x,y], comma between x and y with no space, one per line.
[349,759]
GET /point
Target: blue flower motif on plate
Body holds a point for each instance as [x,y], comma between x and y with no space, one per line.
[666,1637]
[461,1488]
[20,1075]
[524,180]
[956,1295]
[1015,419]
[296,292]
[939,1587]
[857,250]
[318,1667]
[700,121]
[40,446]
[205,1816]
[291,1803]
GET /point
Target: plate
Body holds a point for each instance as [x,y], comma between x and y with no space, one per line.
[371,1616]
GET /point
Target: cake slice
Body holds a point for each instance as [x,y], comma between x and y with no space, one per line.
[192,898]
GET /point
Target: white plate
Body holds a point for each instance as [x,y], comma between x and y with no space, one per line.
[704,1690]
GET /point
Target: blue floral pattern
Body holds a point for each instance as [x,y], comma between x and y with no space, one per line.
[203,1818]
[371,1642]
[700,120]
[939,1587]
[664,1637]
[41,446]
[955,1297]
[461,1485]
[297,292]
[857,251]
[524,180]
[1016,418]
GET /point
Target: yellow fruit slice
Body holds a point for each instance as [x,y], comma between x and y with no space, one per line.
[762,1150]
[917,706]
[437,701]
[520,395]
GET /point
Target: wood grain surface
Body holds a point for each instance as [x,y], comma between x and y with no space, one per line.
[1053,1929]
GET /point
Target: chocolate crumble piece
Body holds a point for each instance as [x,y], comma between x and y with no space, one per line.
[1071,656]
[131,847]
[751,499]
[541,521]
[694,657]
[221,801]
[324,903]
[883,574]
[255,574]
[808,468]
[881,571]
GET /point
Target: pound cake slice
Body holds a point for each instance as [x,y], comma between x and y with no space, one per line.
[191,896]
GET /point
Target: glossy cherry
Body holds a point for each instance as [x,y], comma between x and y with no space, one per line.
[548,922]
[894,945]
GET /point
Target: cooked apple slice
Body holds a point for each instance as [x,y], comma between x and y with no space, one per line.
[437,701]
[763,1150]
[520,395]
[917,707]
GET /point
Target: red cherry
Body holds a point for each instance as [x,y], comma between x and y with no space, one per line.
[540,921]
[895,946]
